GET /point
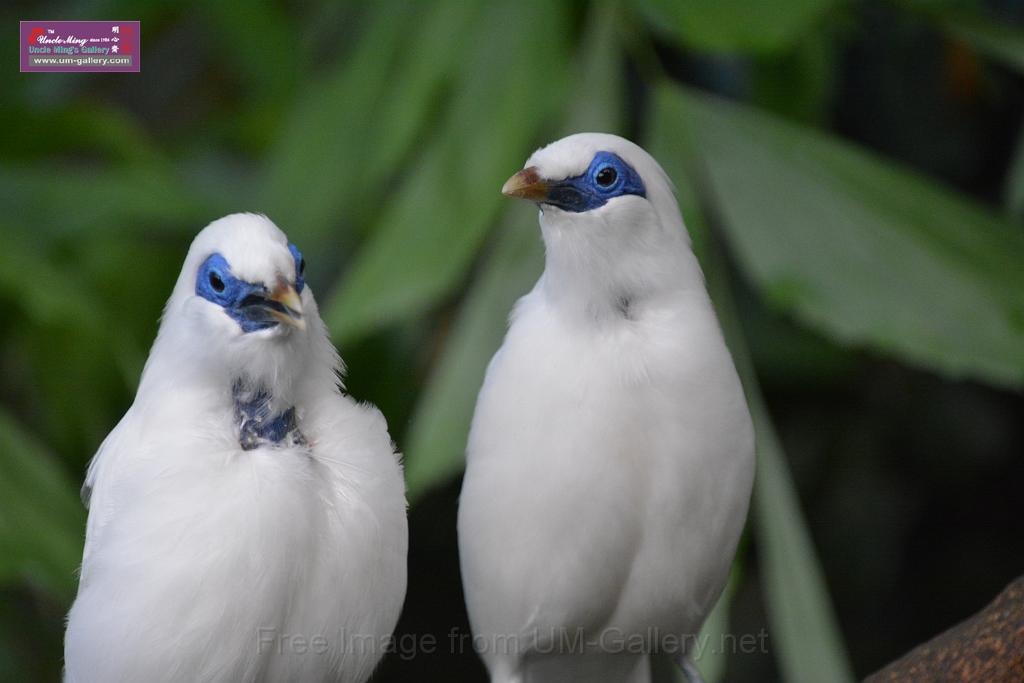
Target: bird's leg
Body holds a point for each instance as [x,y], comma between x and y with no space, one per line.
[689,668]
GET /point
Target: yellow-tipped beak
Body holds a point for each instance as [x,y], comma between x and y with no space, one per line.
[527,184]
[285,294]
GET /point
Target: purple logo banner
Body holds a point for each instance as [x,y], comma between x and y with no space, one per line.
[80,46]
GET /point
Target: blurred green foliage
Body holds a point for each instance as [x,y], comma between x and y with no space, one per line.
[377,135]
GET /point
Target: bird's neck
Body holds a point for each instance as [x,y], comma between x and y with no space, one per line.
[606,286]
[262,408]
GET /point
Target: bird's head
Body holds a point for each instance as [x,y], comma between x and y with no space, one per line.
[241,302]
[608,214]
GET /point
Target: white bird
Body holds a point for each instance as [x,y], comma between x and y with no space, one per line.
[611,454]
[246,519]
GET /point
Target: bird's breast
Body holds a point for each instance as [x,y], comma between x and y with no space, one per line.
[625,449]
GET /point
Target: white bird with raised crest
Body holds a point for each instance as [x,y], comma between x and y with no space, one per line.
[611,455]
[246,518]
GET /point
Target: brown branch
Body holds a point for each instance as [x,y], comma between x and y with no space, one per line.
[987,647]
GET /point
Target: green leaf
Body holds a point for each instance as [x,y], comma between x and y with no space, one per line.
[353,126]
[440,423]
[679,158]
[314,168]
[432,56]
[53,297]
[750,26]
[712,653]
[69,344]
[803,629]
[41,520]
[435,223]
[257,41]
[798,83]
[94,127]
[858,248]
[83,199]
[803,632]
[599,92]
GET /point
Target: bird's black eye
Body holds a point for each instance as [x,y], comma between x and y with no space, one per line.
[302,267]
[216,282]
[607,176]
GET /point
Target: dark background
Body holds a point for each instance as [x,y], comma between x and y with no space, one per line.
[853,186]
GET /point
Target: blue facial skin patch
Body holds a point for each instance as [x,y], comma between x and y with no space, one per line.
[248,304]
[300,267]
[607,177]
[257,427]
